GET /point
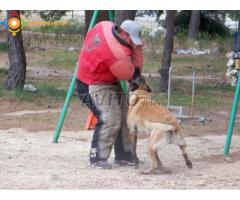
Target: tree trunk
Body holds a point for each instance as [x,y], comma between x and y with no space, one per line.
[102,16]
[122,15]
[193,28]
[167,50]
[17,58]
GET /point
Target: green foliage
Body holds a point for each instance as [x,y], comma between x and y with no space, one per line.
[153,13]
[181,37]
[182,20]
[1,90]
[52,15]
[47,15]
[27,13]
[210,23]
[213,27]
[234,14]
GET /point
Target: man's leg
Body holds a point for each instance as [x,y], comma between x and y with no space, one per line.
[84,96]
[109,117]
[123,146]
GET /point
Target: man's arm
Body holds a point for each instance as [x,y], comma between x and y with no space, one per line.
[123,69]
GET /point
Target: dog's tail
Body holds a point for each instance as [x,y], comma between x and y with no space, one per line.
[157,125]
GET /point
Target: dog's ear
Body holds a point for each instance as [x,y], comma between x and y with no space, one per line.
[139,83]
[149,89]
[133,85]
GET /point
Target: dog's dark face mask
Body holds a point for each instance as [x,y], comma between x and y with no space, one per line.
[139,82]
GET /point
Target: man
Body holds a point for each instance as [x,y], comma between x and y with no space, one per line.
[109,54]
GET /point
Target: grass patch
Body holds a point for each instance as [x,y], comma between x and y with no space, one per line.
[201,101]
[51,91]
[3,72]
[1,90]
[44,92]
[23,95]
[62,59]
[184,64]
[3,47]
[206,95]
[208,64]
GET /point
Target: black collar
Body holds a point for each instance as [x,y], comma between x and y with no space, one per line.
[119,38]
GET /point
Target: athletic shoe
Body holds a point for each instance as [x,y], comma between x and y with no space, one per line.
[124,162]
[101,164]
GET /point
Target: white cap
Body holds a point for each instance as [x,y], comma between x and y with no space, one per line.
[134,30]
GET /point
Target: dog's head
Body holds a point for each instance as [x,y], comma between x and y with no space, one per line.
[138,89]
[139,83]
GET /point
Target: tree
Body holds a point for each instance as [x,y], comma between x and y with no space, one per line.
[167,50]
[122,15]
[102,16]
[52,15]
[153,13]
[211,22]
[234,14]
[193,28]
[17,58]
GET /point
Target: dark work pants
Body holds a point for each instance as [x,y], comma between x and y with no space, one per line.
[120,153]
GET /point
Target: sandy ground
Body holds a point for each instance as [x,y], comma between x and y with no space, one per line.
[30,160]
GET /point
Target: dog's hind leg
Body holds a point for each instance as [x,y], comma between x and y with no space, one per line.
[154,161]
[185,155]
[153,148]
[180,141]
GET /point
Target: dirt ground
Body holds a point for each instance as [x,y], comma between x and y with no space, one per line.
[30,160]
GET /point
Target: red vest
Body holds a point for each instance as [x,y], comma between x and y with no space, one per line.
[100,50]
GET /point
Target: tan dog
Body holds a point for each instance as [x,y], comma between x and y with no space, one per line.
[145,115]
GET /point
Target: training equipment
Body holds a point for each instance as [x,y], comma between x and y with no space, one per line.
[91,121]
[179,109]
